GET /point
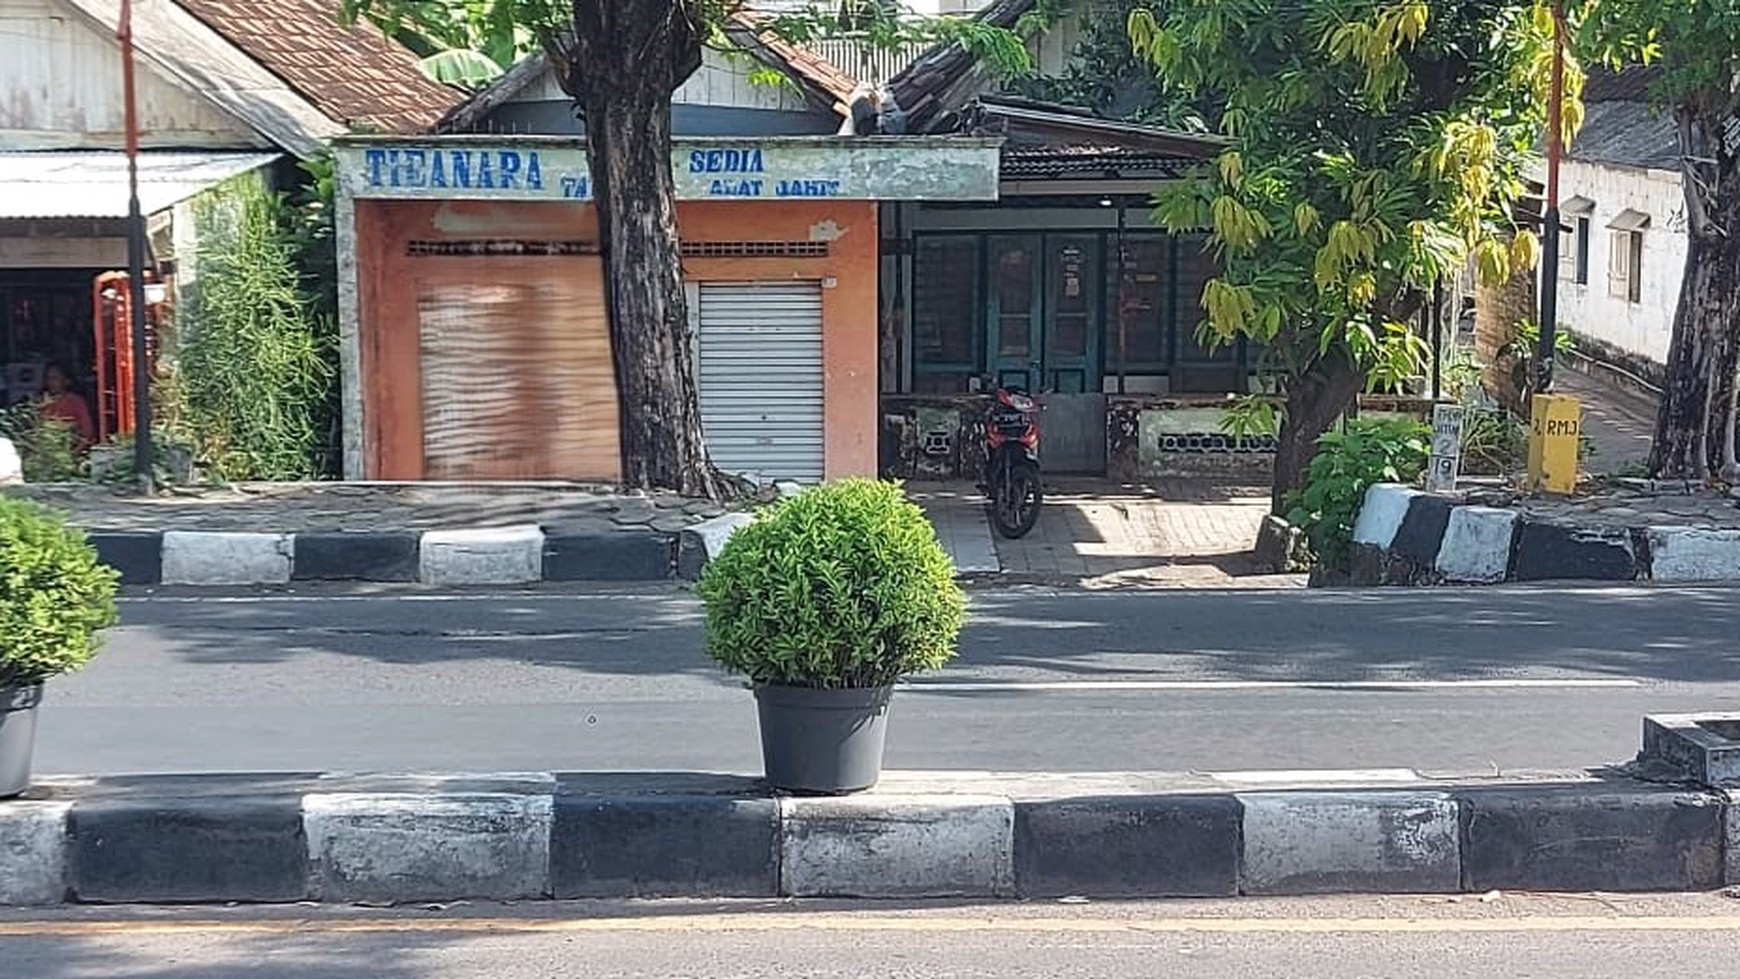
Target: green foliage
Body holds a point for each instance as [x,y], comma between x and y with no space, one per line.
[256,366]
[47,447]
[1375,147]
[1695,43]
[1494,442]
[1104,75]
[55,597]
[1347,462]
[1520,353]
[841,586]
[471,42]
[1252,416]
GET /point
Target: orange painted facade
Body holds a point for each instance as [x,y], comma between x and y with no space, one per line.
[389,330]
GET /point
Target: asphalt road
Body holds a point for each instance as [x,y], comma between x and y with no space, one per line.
[1439,680]
[1584,937]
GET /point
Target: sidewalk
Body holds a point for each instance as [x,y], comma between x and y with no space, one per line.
[1619,425]
[1094,533]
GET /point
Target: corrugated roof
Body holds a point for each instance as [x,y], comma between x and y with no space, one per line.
[355,74]
[1627,134]
[923,89]
[93,184]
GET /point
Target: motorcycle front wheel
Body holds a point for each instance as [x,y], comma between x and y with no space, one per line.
[1015,500]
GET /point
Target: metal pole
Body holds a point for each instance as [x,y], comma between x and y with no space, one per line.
[1550,228]
[1437,341]
[136,266]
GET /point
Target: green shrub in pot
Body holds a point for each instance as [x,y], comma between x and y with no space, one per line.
[823,603]
[56,599]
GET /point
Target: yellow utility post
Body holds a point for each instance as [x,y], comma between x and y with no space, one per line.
[1555,430]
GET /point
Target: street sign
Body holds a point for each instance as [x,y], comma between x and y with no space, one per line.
[1446,458]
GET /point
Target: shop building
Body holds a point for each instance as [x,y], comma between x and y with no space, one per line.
[476,344]
[225,89]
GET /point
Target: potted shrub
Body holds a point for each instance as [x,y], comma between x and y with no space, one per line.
[823,602]
[56,598]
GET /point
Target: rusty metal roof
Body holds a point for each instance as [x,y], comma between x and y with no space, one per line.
[93,183]
[356,74]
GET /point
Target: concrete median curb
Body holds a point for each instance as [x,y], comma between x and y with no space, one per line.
[502,556]
[392,839]
[1405,537]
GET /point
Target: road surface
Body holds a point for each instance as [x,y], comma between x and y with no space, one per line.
[1579,937]
[1442,680]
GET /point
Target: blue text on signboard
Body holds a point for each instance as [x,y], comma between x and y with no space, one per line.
[468,169]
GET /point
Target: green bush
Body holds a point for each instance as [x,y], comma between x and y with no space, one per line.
[256,371]
[55,597]
[1366,451]
[47,447]
[841,586]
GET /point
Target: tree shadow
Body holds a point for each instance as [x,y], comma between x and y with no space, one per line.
[1642,632]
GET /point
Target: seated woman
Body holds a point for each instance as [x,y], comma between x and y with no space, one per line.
[62,403]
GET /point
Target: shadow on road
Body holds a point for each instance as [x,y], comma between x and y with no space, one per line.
[1683,635]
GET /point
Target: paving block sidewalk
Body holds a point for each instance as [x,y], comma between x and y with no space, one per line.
[1179,532]
[390,839]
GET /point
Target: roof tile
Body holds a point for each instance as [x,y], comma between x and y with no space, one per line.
[354,74]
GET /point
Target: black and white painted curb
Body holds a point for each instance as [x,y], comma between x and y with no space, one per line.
[512,555]
[1405,537]
[392,839]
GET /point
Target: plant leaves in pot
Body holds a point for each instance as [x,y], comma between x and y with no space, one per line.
[823,603]
[56,599]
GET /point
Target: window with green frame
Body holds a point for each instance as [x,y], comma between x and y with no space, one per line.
[947,312]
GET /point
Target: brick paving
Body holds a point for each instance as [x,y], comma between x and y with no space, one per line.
[336,507]
[1619,425]
[1102,534]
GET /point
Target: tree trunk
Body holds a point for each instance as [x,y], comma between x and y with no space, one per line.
[1678,451]
[1315,399]
[626,58]
[1694,435]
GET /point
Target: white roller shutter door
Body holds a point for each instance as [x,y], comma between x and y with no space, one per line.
[760,378]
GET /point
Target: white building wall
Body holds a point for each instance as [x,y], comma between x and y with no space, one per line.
[1642,328]
[60,88]
[722,80]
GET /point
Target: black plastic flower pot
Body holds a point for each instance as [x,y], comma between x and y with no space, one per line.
[17,737]
[824,742]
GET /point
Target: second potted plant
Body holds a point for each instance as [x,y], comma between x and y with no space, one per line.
[56,598]
[824,602]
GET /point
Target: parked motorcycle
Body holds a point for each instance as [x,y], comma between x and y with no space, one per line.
[1012,489]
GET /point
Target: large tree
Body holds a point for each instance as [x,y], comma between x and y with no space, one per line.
[621,61]
[1696,45]
[1374,147]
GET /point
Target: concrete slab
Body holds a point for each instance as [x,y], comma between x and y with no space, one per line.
[664,846]
[1547,551]
[1628,837]
[395,848]
[226,558]
[1382,512]
[892,846]
[612,555]
[356,556]
[702,542]
[1350,842]
[1477,545]
[138,557]
[176,850]
[1688,554]
[491,556]
[33,855]
[1117,846]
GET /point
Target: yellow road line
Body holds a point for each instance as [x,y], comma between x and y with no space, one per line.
[824,921]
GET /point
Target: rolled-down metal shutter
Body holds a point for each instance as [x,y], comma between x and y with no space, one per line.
[760,378]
